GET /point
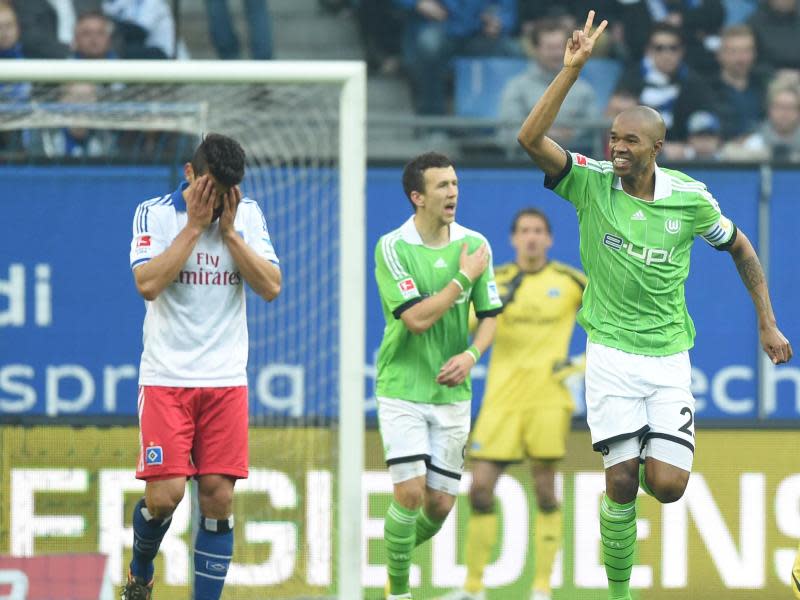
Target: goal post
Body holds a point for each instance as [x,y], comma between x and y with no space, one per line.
[346,80]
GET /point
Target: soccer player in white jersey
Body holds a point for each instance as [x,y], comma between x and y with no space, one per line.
[637,224]
[428,272]
[191,253]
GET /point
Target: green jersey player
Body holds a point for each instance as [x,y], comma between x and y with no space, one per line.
[637,224]
[428,272]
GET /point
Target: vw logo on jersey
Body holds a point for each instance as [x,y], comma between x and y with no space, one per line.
[672,225]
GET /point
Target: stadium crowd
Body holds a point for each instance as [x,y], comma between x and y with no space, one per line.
[724,73]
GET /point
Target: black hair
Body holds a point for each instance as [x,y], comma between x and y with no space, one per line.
[668,28]
[222,157]
[92,14]
[414,171]
[549,24]
[530,212]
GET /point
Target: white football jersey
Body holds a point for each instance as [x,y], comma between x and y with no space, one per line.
[195,331]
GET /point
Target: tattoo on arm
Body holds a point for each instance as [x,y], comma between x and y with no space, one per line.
[751,272]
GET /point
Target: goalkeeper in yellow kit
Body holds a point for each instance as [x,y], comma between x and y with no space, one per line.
[526,409]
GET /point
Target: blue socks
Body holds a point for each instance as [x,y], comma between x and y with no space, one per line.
[147,535]
[213,551]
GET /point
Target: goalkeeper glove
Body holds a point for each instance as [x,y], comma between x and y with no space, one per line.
[572,365]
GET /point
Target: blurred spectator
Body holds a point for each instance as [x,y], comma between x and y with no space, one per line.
[11,93]
[381,28]
[740,87]
[666,83]
[438,30]
[776,24]
[11,48]
[699,21]
[622,99]
[703,141]
[146,28]
[93,37]
[778,138]
[74,142]
[38,23]
[530,12]
[223,33]
[524,90]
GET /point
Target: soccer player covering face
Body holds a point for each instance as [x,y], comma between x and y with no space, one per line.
[428,272]
[191,253]
[637,224]
[527,408]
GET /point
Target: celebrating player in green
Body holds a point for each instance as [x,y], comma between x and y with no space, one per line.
[428,271]
[637,225]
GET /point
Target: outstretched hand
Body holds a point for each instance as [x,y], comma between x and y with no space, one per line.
[775,345]
[581,43]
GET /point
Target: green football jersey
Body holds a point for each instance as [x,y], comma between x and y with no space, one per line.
[636,254]
[407,272]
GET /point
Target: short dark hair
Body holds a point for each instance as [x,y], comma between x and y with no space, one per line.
[530,212]
[414,171]
[668,28]
[547,25]
[92,14]
[222,157]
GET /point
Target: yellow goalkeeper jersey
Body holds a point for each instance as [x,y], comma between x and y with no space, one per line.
[533,334]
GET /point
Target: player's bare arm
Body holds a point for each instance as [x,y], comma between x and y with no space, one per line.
[260,274]
[421,317]
[546,153]
[455,370]
[773,341]
[156,274]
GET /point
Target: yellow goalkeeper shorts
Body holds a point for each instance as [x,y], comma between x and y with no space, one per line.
[510,435]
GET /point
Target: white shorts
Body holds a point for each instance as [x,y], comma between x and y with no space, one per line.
[425,439]
[631,396]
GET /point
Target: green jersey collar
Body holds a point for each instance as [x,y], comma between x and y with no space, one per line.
[410,235]
[663,185]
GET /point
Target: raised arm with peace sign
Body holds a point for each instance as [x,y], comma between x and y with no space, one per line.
[546,153]
[581,43]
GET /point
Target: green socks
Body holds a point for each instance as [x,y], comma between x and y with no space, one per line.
[618,533]
[643,481]
[399,533]
[426,528]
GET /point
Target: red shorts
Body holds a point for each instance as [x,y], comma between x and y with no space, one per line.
[185,432]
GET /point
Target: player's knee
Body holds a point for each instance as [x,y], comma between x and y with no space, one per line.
[438,506]
[216,502]
[621,484]
[410,494]
[667,489]
[162,502]
[547,503]
[481,498]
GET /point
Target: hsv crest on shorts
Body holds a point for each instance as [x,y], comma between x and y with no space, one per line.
[153,455]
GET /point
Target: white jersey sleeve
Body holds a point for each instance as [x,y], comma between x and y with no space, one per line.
[149,239]
[256,233]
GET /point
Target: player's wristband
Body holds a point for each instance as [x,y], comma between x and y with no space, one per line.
[474,352]
[462,280]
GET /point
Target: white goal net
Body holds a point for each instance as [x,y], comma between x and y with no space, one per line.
[302,126]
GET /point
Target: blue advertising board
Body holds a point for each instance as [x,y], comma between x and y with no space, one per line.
[70,317]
